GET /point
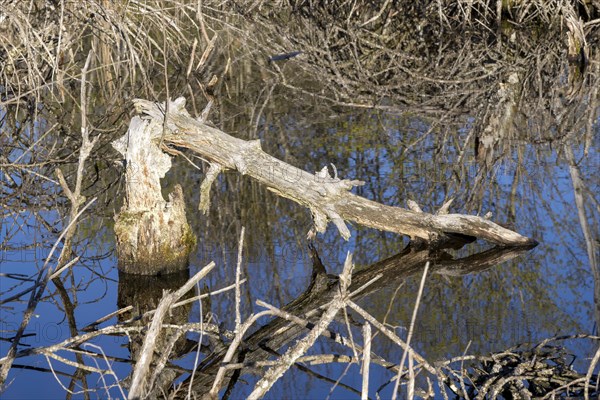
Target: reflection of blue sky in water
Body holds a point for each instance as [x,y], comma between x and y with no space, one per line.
[548,291]
[96,297]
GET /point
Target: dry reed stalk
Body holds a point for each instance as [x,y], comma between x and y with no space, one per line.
[43,45]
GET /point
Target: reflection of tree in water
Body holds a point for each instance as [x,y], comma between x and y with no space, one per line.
[422,103]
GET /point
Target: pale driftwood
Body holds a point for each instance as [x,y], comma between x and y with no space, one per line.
[327,197]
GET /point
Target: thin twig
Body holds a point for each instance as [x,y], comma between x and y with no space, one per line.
[238,273]
[295,352]
[232,349]
[366,361]
[590,372]
[142,366]
[411,329]
[197,358]
[110,370]
[391,335]
[34,299]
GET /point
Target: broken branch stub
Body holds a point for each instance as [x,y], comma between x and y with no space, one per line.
[328,198]
[153,236]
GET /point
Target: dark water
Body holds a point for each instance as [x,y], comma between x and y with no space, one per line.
[529,187]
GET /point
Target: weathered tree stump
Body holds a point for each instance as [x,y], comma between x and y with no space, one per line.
[153,236]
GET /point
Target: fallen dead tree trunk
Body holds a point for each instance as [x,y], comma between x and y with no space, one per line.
[327,197]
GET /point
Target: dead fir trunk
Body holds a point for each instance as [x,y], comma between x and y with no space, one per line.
[153,235]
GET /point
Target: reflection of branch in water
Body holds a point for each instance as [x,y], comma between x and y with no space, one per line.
[299,316]
[302,311]
[591,242]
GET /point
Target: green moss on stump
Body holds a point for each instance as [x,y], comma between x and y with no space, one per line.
[148,247]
